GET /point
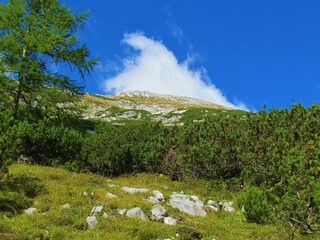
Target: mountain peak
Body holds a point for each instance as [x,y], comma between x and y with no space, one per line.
[144,105]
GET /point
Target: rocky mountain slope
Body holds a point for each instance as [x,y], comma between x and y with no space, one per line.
[143,105]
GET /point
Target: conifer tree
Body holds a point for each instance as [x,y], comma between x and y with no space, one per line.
[37,37]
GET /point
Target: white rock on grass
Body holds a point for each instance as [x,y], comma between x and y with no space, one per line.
[158,195]
[65,206]
[137,213]
[122,211]
[92,222]
[170,221]
[30,211]
[214,206]
[96,210]
[112,185]
[86,193]
[212,203]
[158,213]
[187,204]
[110,195]
[153,200]
[132,190]
[227,206]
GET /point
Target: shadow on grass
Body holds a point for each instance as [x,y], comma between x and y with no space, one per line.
[17,193]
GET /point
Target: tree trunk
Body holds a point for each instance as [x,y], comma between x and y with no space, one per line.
[20,83]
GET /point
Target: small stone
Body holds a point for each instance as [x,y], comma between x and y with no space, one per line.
[112,185]
[110,195]
[137,213]
[227,206]
[134,190]
[122,211]
[153,200]
[170,221]
[158,195]
[96,210]
[85,194]
[213,203]
[30,211]
[213,208]
[65,206]
[92,222]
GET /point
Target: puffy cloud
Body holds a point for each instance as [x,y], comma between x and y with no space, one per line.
[157,70]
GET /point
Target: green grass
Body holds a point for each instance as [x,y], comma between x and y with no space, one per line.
[60,186]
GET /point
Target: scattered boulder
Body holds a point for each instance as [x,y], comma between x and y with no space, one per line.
[132,190]
[187,204]
[30,211]
[170,221]
[156,198]
[158,195]
[92,222]
[96,210]
[137,213]
[110,195]
[158,213]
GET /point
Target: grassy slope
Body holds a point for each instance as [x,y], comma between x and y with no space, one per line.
[65,187]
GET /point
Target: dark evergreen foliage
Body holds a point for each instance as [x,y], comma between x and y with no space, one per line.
[36,38]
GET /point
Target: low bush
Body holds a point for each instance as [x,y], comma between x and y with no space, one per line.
[255,206]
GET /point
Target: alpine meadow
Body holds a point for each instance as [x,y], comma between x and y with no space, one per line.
[137,164]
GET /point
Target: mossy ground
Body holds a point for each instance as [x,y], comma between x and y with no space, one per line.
[51,221]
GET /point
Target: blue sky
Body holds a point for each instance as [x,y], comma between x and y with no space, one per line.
[244,53]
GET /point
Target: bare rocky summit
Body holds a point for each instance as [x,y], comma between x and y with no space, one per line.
[144,105]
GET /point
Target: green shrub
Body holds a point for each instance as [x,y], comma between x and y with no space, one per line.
[297,195]
[46,143]
[255,205]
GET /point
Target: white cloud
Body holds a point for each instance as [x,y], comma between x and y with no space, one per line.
[157,70]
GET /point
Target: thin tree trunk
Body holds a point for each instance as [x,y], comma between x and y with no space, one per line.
[20,83]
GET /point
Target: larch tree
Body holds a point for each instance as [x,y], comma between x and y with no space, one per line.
[38,37]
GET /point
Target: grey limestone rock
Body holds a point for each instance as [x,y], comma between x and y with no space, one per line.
[227,206]
[158,213]
[30,211]
[187,204]
[110,195]
[92,222]
[65,206]
[96,210]
[137,213]
[153,200]
[158,195]
[132,190]
[170,221]
[122,211]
